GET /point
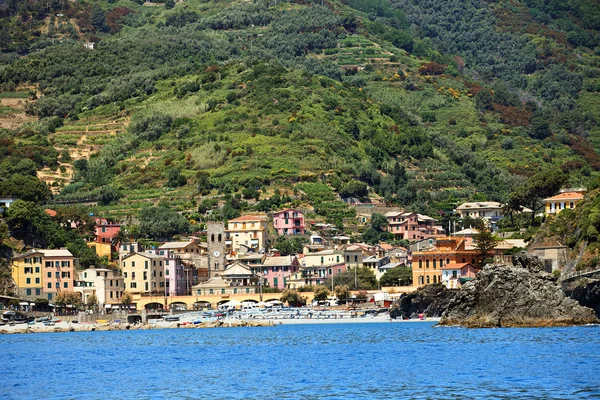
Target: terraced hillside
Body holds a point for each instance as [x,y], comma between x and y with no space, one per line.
[405,102]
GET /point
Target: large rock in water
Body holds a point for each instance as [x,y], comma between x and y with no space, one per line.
[431,300]
[519,295]
[586,292]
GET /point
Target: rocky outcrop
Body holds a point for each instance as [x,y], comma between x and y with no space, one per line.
[431,300]
[586,292]
[519,295]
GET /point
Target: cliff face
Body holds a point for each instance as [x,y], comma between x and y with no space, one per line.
[431,300]
[587,293]
[520,295]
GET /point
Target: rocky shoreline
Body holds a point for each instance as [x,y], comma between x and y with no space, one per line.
[521,295]
[90,327]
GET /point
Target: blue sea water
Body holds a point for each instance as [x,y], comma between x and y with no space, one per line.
[345,361]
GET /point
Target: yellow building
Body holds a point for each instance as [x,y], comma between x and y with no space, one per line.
[144,273]
[427,265]
[567,199]
[181,248]
[320,258]
[102,249]
[43,273]
[27,273]
[248,231]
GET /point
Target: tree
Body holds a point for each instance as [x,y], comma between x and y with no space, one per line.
[483,100]
[376,233]
[25,187]
[162,222]
[30,223]
[108,195]
[293,298]
[321,293]
[126,299]
[342,292]
[92,301]
[121,236]
[75,216]
[41,304]
[485,242]
[541,185]
[98,19]
[354,189]
[356,278]
[474,223]
[68,298]
[511,208]
[378,222]
[289,245]
[169,4]
[397,277]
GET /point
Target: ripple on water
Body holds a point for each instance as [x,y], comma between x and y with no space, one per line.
[362,361]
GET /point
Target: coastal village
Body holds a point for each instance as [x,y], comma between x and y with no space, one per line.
[236,263]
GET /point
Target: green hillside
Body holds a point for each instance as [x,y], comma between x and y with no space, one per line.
[417,103]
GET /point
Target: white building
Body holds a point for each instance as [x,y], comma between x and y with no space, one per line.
[480,209]
[106,284]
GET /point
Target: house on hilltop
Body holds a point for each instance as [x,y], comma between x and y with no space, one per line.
[412,226]
[566,199]
[289,222]
[248,230]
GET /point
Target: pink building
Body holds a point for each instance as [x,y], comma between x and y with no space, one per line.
[413,226]
[276,270]
[315,275]
[106,230]
[289,222]
[455,274]
[57,272]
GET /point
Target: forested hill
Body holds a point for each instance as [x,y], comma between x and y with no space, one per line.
[419,103]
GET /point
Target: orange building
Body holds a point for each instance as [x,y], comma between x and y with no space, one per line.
[427,265]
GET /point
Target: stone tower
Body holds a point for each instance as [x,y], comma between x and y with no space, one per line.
[215,237]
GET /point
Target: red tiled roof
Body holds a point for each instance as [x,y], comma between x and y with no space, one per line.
[50,212]
[455,265]
[566,196]
[248,218]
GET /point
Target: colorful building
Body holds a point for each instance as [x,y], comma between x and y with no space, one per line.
[567,199]
[144,273]
[106,230]
[455,274]
[106,284]
[289,222]
[101,249]
[236,279]
[26,271]
[354,254]
[248,231]
[412,226]
[483,209]
[43,273]
[427,265]
[276,270]
[314,275]
[374,263]
[58,272]
[182,249]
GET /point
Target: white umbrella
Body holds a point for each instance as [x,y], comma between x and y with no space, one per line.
[231,303]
